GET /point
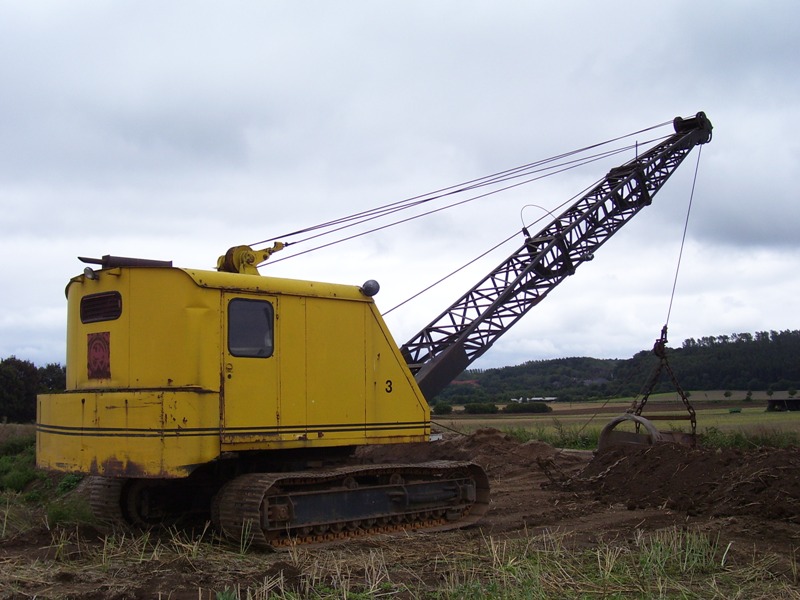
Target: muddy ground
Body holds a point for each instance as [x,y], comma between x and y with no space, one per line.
[751,500]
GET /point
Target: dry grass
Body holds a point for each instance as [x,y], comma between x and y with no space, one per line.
[15,431]
[669,563]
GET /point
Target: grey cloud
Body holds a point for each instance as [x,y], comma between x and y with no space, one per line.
[179,129]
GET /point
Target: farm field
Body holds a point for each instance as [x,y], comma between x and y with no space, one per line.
[647,522]
[722,414]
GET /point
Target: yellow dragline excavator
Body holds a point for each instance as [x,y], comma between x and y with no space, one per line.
[241,397]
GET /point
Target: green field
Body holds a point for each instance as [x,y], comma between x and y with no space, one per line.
[578,424]
[721,418]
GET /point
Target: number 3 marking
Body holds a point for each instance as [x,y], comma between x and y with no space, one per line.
[388,386]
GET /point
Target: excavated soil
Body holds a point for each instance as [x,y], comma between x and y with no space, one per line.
[599,494]
[751,500]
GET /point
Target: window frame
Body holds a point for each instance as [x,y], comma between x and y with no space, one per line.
[247,349]
[100,312]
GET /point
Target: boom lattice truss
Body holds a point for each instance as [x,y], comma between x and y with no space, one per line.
[462,333]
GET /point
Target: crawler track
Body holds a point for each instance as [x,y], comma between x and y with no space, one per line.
[104,499]
[277,510]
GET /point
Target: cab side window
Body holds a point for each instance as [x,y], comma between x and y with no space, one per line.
[250,328]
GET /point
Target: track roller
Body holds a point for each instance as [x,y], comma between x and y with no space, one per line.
[270,510]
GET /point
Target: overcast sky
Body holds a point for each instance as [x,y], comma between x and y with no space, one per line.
[174,130]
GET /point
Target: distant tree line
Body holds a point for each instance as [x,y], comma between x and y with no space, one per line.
[20,382]
[564,378]
[763,361]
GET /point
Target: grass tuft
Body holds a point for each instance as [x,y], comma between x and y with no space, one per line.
[68,511]
[17,460]
[759,437]
[558,435]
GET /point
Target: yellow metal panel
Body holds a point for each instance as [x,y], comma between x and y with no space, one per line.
[398,412]
[335,373]
[272,285]
[132,434]
[250,411]
[172,331]
[290,347]
[118,330]
[166,336]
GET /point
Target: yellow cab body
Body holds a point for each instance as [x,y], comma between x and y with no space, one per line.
[168,369]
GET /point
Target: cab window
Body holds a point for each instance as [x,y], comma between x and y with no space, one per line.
[250,328]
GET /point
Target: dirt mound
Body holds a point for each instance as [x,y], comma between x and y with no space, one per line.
[763,483]
[498,453]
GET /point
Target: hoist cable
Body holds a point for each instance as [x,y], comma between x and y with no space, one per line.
[398,206]
[683,239]
[449,275]
[472,184]
[560,169]
[435,210]
[657,367]
[487,252]
[456,188]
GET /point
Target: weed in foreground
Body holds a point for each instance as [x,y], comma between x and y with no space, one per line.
[17,460]
[16,514]
[671,563]
[761,437]
[189,544]
[68,511]
[677,551]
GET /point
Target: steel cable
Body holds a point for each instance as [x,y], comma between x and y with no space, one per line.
[493,179]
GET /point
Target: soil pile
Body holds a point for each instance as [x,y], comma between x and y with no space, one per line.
[762,483]
[498,453]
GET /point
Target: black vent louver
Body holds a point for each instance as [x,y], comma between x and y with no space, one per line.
[101,307]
